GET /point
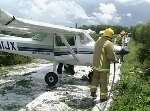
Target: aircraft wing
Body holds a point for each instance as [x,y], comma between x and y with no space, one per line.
[11,21]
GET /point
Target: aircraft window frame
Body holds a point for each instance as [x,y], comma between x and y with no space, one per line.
[59,41]
[83,39]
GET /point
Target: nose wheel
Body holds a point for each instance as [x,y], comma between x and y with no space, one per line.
[51,79]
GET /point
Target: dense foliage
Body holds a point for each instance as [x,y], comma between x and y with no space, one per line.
[141,34]
[97,28]
[134,88]
[133,91]
[12,59]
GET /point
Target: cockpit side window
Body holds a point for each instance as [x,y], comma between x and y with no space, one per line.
[58,41]
[84,39]
[70,39]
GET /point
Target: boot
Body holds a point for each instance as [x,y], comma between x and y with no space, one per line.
[93,94]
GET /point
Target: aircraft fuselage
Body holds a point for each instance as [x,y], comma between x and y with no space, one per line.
[43,50]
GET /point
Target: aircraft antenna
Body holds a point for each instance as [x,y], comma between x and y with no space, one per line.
[13,18]
[76,25]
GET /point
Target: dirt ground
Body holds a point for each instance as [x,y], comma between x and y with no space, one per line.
[23,88]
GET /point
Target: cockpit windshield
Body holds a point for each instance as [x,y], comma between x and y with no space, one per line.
[94,35]
[85,38]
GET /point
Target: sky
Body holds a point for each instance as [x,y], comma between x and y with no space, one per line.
[82,12]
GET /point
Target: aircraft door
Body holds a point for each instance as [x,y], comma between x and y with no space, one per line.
[61,51]
[85,49]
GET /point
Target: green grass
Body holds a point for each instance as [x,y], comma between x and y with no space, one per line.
[134,88]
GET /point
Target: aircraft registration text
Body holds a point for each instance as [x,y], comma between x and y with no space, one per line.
[7,45]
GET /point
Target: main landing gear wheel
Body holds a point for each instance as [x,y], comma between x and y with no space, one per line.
[51,79]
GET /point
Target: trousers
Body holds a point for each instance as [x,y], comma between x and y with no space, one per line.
[100,78]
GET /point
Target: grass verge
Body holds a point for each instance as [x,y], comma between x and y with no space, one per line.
[134,87]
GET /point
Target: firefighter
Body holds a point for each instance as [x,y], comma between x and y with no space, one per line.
[118,40]
[123,35]
[103,55]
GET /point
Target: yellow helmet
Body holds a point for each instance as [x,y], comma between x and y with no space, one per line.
[108,33]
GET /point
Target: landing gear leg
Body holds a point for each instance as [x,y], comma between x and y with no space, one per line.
[59,68]
[90,75]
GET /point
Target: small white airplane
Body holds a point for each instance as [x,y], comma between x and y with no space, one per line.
[41,40]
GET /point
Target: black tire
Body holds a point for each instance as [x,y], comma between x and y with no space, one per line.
[51,79]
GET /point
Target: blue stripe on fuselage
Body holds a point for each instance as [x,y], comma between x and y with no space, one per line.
[56,53]
[66,53]
[35,49]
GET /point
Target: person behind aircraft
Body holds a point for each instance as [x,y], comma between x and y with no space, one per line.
[118,40]
[103,55]
[68,68]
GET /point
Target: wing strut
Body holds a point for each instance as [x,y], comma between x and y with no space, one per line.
[69,47]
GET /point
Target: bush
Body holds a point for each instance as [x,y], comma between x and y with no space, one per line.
[13,59]
[141,34]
